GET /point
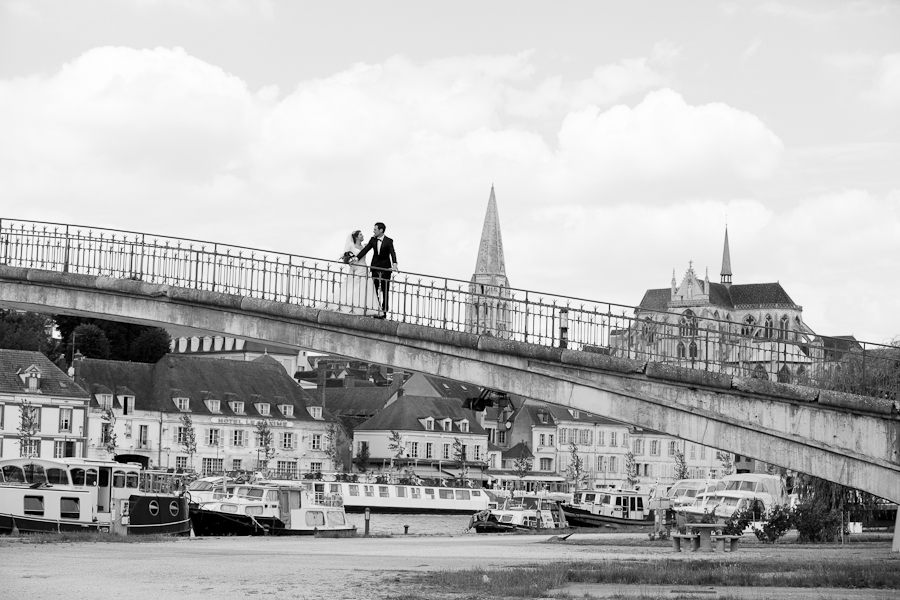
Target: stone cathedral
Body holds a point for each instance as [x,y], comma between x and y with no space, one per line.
[487,305]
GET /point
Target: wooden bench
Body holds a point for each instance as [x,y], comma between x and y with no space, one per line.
[727,543]
[692,538]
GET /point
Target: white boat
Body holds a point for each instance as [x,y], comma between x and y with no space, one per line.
[293,508]
[39,495]
[684,491]
[599,508]
[519,513]
[738,492]
[396,498]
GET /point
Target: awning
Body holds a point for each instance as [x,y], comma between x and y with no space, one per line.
[553,478]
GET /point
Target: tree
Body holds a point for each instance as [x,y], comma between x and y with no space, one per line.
[727,460]
[265,439]
[108,438]
[395,445]
[26,331]
[362,457]
[630,470]
[575,470]
[681,470]
[150,345]
[459,455]
[90,341]
[188,437]
[522,467]
[333,435]
[29,427]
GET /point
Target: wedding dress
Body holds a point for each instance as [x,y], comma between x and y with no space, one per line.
[354,291]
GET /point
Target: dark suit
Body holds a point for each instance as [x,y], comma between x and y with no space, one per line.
[381,262]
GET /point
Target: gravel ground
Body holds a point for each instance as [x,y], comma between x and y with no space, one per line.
[308,568]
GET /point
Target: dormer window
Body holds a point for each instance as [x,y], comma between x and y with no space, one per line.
[214,406]
[263,408]
[182,404]
[287,410]
[315,412]
[31,378]
[429,424]
[542,417]
[105,400]
[237,407]
[447,425]
[574,413]
[464,426]
[127,405]
[34,382]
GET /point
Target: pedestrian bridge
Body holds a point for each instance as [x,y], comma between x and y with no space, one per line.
[580,354]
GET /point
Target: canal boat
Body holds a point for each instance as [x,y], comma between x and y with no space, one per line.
[603,508]
[756,491]
[40,495]
[293,508]
[520,513]
[397,498]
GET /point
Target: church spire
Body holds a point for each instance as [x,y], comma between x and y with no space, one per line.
[490,250]
[726,262]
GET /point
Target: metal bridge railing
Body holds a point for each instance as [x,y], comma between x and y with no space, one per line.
[791,354]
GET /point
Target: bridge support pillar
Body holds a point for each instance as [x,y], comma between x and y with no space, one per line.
[895,547]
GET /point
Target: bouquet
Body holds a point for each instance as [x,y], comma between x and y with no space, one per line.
[346,257]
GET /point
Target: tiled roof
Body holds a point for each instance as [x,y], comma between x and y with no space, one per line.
[520,450]
[656,299]
[53,381]
[404,413]
[737,296]
[155,385]
[356,401]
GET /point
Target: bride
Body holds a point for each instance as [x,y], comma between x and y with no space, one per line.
[355,292]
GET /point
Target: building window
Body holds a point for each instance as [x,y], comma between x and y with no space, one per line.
[315,441]
[702,452]
[315,412]
[542,440]
[693,452]
[105,400]
[613,467]
[612,438]
[562,435]
[783,329]
[362,448]
[236,464]
[239,438]
[65,420]
[429,424]
[128,405]
[429,450]
[106,431]
[654,447]
[181,462]
[464,426]
[477,455]
[672,448]
[237,408]
[692,350]
[143,437]
[263,409]
[768,326]
[59,449]
[286,468]
[601,438]
[749,325]
[287,441]
[287,410]
[212,437]
[546,464]
[212,466]
[550,439]
[679,350]
[214,406]
[501,437]
[414,449]
[447,425]
[687,325]
[181,435]
[182,404]
[446,455]
[33,382]
[315,467]
[638,447]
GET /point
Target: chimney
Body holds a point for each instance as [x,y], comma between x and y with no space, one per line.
[321,375]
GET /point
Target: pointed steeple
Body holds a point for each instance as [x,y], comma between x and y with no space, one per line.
[490,250]
[726,262]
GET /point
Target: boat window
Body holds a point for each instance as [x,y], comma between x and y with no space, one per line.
[416,493]
[476,493]
[57,477]
[218,494]
[104,477]
[576,498]
[336,518]
[720,486]
[762,489]
[34,473]
[335,488]
[354,490]
[401,492]
[383,491]
[462,495]
[272,495]
[90,477]
[118,479]
[369,490]
[747,486]
[618,500]
[604,499]
[733,486]
[69,508]
[77,476]
[729,501]
[446,494]
[255,493]
[429,492]
[690,493]
[254,510]
[131,480]
[229,508]
[34,505]
[13,474]
[315,518]
[200,486]
[640,503]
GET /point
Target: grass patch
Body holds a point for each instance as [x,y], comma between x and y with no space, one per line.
[533,581]
[90,537]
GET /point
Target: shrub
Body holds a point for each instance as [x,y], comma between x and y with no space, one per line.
[778,521]
[815,523]
[738,522]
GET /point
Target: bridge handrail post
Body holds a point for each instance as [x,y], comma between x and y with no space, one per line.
[526,316]
[66,257]
[215,259]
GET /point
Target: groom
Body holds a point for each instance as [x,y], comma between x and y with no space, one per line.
[384,262]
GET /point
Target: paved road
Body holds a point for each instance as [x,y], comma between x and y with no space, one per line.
[305,568]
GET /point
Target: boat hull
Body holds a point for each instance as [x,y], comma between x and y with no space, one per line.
[578,517]
[215,523]
[36,525]
[149,515]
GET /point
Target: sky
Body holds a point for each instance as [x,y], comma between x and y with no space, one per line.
[620,138]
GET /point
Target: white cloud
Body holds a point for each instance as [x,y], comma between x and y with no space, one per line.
[859,8]
[885,91]
[213,8]
[851,61]
[751,50]
[22,8]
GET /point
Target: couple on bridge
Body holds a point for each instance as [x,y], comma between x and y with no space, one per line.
[363,290]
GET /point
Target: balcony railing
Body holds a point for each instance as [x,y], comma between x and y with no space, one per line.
[787,355]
